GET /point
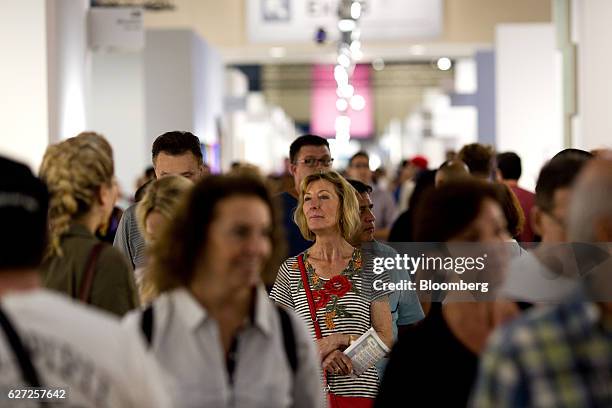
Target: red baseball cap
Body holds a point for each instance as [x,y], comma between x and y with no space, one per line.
[420,162]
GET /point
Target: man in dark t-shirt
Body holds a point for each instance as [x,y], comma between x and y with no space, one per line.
[307,154]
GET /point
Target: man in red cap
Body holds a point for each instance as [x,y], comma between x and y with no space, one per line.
[409,171]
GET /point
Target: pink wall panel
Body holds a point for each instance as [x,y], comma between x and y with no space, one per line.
[323,102]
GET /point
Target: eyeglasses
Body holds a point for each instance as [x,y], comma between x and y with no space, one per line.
[312,162]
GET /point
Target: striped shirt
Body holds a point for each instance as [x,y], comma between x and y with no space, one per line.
[129,239]
[350,314]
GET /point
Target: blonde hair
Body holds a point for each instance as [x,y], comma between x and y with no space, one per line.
[349,221]
[161,195]
[246,169]
[74,170]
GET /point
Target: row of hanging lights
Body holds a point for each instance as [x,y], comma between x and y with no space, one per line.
[349,53]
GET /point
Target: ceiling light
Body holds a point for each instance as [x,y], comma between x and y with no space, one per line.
[346,25]
[346,91]
[344,60]
[343,124]
[444,64]
[356,10]
[342,140]
[358,102]
[342,104]
[378,64]
[340,75]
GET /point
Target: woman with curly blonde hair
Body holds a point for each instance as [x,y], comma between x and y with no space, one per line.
[79,173]
[326,285]
[153,212]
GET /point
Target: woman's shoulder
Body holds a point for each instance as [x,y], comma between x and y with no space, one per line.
[111,258]
[161,306]
[291,263]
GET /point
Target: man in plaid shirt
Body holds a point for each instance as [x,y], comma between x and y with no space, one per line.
[560,356]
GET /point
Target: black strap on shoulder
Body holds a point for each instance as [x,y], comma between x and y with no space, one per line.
[147,324]
[28,372]
[90,273]
[288,338]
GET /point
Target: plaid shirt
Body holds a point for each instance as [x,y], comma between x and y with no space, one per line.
[553,357]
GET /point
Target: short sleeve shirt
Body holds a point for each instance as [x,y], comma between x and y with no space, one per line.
[342,305]
[404,304]
[129,239]
[82,350]
[186,344]
[296,242]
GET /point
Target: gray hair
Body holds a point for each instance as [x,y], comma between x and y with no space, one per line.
[591,201]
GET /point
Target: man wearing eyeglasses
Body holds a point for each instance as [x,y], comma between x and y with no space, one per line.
[385,210]
[308,154]
[538,276]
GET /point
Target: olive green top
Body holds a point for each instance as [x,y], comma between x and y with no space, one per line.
[113,288]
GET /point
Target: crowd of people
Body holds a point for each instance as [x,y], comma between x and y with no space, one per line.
[224,290]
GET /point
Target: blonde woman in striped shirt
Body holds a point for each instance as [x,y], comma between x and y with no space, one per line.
[344,301]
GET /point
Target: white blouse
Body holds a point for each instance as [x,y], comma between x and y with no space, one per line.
[186,342]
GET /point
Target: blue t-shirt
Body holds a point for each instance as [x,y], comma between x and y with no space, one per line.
[404,304]
[295,241]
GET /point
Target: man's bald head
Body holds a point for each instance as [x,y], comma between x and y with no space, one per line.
[590,217]
[450,171]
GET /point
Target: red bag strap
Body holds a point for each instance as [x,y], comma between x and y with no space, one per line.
[311,306]
[90,272]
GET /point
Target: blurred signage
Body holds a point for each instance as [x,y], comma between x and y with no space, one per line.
[116,28]
[298,20]
[157,5]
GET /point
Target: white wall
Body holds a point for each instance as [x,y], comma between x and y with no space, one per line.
[259,134]
[23,81]
[457,124]
[184,80]
[69,64]
[236,90]
[529,103]
[594,31]
[208,83]
[169,90]
[117,111]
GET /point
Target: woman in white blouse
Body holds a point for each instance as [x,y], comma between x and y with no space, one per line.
[213,328]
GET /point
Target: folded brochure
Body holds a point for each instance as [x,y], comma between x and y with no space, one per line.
[366,351]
